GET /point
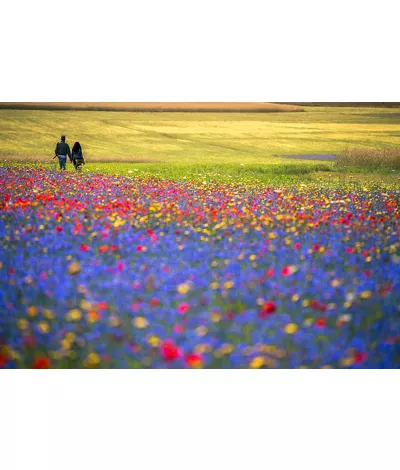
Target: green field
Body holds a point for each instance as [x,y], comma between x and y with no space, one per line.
[192,144]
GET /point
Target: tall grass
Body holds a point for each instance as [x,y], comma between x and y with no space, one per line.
[384,158]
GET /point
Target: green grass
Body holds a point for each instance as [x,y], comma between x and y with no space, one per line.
[285,174]
[194,138]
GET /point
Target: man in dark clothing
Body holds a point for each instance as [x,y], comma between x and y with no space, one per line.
[61,151]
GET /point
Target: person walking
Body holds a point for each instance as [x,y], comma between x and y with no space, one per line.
[77,156]
[61,151]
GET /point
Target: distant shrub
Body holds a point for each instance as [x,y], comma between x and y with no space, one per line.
[385,158]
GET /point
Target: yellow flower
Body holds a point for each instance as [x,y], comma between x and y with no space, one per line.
[140,322]
[23,324]
[366,294]
[93,359]
[32,311]
[228,285]
[201,331]
[44,327]
[291,328]
[202,348]
[70,337]
[215,317]
[85,305]
[347,361]
[14,354]
[227,348]
[65,344]
[308,322]
[47,313]
[154,341]
[74,268]
[183,288]
[74,315]
[257,362]
[119,223]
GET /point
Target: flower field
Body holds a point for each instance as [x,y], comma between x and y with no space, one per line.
[105,271]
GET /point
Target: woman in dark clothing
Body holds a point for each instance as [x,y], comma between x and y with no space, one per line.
[77,156]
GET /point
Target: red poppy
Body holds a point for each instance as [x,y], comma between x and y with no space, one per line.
[320,322]
[360,357]
[59,228]
[183,308]
[268,309]
[318,305]
[84,248]
[3,360]
[193,360]
[270,272]
[286,271]
[140,248]
[41,362]
[169,351]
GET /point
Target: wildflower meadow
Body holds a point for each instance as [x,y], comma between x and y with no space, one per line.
[110,271]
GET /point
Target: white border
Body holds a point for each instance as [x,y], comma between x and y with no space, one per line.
[199,51]
[208,50]
[199,419]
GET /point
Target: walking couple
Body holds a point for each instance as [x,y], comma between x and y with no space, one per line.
[62,150]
